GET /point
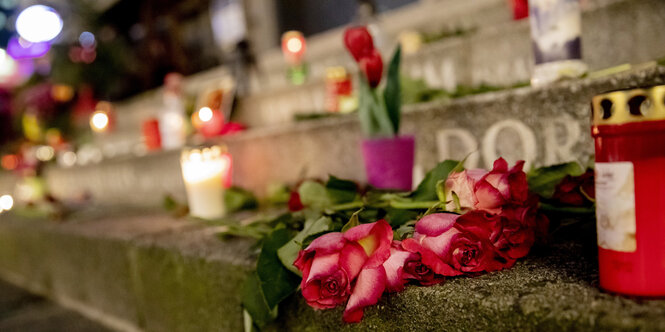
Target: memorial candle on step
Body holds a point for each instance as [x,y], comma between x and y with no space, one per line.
[556,40]
[205,171]
[629,130]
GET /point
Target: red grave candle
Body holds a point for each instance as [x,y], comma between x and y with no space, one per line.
[628,127]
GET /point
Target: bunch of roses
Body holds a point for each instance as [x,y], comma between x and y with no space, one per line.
[356,267]
[359,42]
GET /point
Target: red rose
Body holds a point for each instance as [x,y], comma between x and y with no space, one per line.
[451,249]
[463,184]
[372,66]
[569,190]
[295,204]
[358,41]
[502,186]
[341,266]
[403,266]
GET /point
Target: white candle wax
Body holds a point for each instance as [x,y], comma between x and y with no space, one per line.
[203,172]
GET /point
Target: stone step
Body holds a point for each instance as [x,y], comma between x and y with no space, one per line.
[540,125]
[152,272]
[613,33]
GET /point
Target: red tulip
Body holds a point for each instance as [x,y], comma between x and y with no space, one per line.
[372,66]
[358,41]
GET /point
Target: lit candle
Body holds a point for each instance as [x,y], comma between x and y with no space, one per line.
[205,172]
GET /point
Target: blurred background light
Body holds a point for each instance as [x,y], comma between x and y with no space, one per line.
[21,49]
[6,202]
[87,39]
[99,121]
[205,114]
[38,23]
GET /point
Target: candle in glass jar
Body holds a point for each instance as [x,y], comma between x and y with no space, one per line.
[204,172]
[628,127]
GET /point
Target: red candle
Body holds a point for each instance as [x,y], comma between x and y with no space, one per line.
[520,9]
[629,130]
[151,138]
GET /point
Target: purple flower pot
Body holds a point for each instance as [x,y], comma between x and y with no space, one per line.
[389,162]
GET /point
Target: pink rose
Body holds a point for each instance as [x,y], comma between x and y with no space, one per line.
[501,186]
[463,185]
[403,266]
[345,266]
[452,245]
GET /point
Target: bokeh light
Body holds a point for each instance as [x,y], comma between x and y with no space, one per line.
[38,23]
[45,153]
[205,114]
[87,39]
[6,202]
[99,121]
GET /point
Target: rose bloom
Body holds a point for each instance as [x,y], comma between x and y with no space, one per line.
[404,266]
[345,266]
[452,245]
[489,191]
[569,190]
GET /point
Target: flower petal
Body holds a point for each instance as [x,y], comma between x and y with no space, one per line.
[394,267]
[368,289]
[323,266]
[489,198]
[375,238]
[327,243]
[436,223]
[429,258]
[352,259]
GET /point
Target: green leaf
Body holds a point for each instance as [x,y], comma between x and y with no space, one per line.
[289,252]
[237,199]
[404,231]
[341,191]
[276,281]
[398,217]
[372,111]
[426,190]
[392,94]
[254,301]
[314,195]
[544,180]
[365,105]
[353,221]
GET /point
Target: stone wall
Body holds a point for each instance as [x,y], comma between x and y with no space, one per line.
[542,126]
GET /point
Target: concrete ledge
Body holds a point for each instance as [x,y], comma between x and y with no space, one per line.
[132,273]
[156,273]
[543,126]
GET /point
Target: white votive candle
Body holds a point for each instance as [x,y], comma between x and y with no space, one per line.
[204,171]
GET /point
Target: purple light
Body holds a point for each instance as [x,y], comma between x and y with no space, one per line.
[26,50]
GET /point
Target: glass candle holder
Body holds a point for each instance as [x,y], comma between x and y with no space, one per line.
[205,172]
[556,39]
[628,127]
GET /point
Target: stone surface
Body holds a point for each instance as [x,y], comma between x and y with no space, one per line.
[155,273]
[21,311]
[543,126]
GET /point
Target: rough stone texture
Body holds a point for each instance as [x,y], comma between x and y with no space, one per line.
[555,116]
[21,311]
[154,273]
[554,289]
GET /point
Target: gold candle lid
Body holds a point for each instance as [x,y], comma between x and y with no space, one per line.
[626,106]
